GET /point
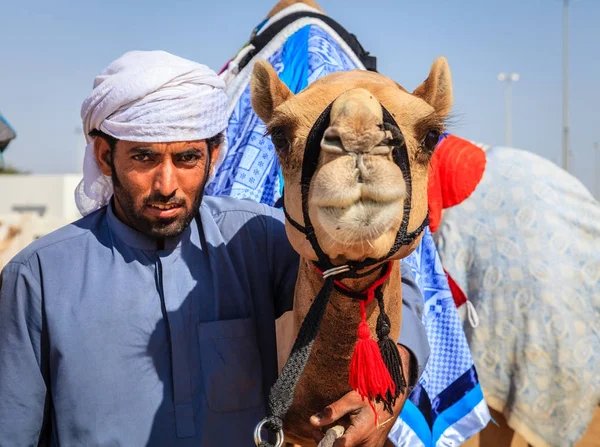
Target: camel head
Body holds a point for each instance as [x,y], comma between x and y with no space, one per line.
[282,4]
[357,193]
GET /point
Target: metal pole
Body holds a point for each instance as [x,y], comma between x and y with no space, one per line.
[596,171]
[508,79]
[566,155]
[508,142]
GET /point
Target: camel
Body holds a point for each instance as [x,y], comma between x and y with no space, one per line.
[282,4]
[14,236]
[355,201]
[473,190]
[12,233]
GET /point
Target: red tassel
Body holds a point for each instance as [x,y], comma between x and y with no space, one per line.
[368,374]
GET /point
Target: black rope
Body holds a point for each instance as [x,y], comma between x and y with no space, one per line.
[390,354]
[309,166]
[283,391]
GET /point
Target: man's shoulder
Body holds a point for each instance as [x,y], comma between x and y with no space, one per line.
[64,238]
[231,218]
[244,209]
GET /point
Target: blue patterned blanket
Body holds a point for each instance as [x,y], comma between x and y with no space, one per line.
[447,406]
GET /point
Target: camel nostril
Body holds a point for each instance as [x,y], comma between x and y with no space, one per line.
[334,141]
[331,141]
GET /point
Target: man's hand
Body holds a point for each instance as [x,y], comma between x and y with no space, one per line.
[362,430]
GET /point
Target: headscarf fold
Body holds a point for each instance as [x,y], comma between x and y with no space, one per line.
[148,96]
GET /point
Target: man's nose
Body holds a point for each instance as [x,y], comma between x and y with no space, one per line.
[165,181]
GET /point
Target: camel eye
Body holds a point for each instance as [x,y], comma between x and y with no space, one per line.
[280,141]
[431,140]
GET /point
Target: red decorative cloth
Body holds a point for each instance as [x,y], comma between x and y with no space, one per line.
[459,296]
[455,170]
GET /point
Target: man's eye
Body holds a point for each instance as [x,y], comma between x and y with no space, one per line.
[189,158]
[141,157]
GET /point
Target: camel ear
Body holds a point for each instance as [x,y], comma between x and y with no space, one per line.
[436,90]
[267,90]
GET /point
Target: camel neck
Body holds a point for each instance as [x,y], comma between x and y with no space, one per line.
[383,272]
[337,335]
[310,282]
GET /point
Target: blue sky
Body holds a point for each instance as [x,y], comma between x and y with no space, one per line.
[52,50]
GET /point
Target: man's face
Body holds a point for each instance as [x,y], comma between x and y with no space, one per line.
[157,186]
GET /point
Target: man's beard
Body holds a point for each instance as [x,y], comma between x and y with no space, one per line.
[162,228]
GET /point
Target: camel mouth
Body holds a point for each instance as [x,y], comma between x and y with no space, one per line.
[362,221]
[353,205]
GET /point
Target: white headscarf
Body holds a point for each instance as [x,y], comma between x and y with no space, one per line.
[148,96]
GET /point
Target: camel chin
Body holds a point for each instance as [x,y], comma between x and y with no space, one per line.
[357,205]
[363,229]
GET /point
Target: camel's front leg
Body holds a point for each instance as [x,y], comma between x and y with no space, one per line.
[331,436]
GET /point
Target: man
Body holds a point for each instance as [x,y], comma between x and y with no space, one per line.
[151,321]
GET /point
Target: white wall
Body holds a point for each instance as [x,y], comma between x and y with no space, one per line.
[32,206]
[53,194]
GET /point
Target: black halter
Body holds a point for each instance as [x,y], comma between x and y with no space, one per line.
[282,393]
[309,166]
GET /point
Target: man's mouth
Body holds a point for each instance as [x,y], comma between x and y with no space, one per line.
[164,206]
[164,210]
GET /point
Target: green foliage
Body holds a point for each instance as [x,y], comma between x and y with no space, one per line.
[6,169]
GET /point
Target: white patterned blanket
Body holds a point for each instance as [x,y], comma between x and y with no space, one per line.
[525,248]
